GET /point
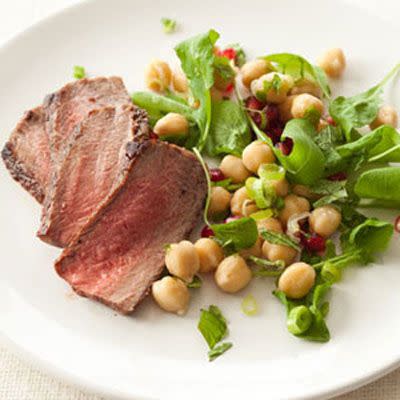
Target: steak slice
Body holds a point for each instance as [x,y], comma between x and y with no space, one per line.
[27,155]
[93,166]
[119,253]
[67,107]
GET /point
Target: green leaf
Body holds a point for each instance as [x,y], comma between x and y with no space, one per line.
[241,233]
[267,268]
[79,72]
[279,238]
[229,131]
[299,68]
[380,183]
[169,25]
[219,350]
[306,162]
[196,283]
[227,184]
[361,109]
[212,325]
[224,68]
[197,60]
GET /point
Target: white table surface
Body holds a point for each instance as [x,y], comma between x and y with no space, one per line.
[20,381]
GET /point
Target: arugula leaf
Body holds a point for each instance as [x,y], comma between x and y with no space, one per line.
[279,238]
[241,233]
[169,25]
[380,183]
[361,109]
[229,131]
[197,60]
[331,198]
[196,283]
[268,268]
[212,325]
[219,350]
[305,163]
[223,68]
[79,72]
[299,68]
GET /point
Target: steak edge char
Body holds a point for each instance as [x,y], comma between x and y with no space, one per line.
[119,253]
[26,154]
[94,163]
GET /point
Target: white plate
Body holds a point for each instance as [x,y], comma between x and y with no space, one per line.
[153,354]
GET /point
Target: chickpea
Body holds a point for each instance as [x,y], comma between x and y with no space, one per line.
[293,205]
[232,274]
[182,260]
[254,250]
[270,224]
[233,167]
[179,82]
[257,153]
[297,280]
[275,252]
[333,62]
[238,200]
[172,124]
[171,294]
[304,103]
[253,70]
[325,220]
[281,186]
[285,108]
[306,86]
[158,76]
[265,89]
[304,191]
[249,207]
[210,254]
[219,201]
[387,115]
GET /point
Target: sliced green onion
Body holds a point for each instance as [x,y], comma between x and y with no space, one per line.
[299,320]
[330,273]
[249,305]
[271,172]
[256,191]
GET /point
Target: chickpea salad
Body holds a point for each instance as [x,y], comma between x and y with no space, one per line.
[295,167]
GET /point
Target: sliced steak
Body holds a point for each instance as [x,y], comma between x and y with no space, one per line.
[119,253]
[67,107]
[27,155]
[93,166]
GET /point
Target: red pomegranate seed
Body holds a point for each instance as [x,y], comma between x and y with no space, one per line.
[286,146]
[272,114]
[231,218]
[253,103]
[153,135]
[314,243]
[397,224]
[206,232]
[229,53]
[330,121]
[339,176]
[216,175]
[228,91]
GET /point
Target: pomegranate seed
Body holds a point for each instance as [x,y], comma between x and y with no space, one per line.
[272,114]
[206,232]
[152,135]
[286,146]
[276,133]
[253,103]
[231,218]
[216,175]
[397,224]
[339,176]
[229,53]
[229,89]
[330,121]
[314,243]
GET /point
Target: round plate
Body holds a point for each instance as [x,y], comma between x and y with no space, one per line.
[153,354]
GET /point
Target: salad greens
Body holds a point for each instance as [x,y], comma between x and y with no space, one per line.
[168,24]
[279,238]
[79,72]
[214,328]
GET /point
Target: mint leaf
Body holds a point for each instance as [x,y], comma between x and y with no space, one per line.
[212,325]
[267,268]
[279,238]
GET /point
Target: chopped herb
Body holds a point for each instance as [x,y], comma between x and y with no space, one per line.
[219,350]
[279,238]
[196,283]
[249,305]
[240,57]
[268,268]
[169,25]
[79,72]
